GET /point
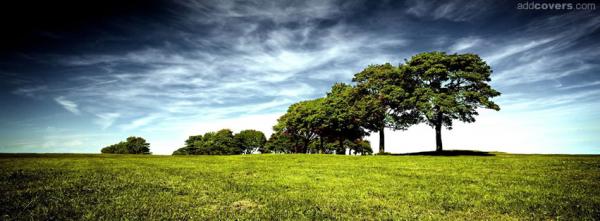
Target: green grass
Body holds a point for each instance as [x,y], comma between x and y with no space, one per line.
[299,187]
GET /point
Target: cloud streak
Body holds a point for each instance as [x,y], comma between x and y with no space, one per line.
[67,105]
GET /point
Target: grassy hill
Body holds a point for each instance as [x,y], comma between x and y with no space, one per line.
[109,187]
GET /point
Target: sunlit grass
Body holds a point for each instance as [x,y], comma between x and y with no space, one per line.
[299,187]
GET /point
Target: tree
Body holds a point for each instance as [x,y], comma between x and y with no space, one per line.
[137,145]
[385,99]
[359,146]
[251,140]
[185,151]
[279,143]
[221,142]
[450,87]
[193,139]
[300,123]
[323,145]
[119,148]
[192,145]
[341,120]
[133,145]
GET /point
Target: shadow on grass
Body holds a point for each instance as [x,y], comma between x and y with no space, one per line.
[448,153]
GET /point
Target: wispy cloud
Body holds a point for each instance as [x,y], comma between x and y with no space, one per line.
[582,85]
[466,43]
[515,48]
[253,67]
[67,104]
[30,90]
[140,122]
[105,120]
[459,11]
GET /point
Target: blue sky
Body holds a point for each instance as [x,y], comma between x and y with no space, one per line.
[165,70]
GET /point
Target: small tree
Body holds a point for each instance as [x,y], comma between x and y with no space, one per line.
[137,145]
[279,143]
[251,140]
[300,123]
[223,143]
[450,87]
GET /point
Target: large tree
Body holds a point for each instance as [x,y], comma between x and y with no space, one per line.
[450,87]
[385,99]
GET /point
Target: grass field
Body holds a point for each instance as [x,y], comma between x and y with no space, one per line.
[109,187]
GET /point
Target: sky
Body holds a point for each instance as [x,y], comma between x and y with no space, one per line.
[76,76]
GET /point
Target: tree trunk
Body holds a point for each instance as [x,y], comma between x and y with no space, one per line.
[306,145]
[321,145]
[382,140]
[341,141]
[296,146]
[438,134]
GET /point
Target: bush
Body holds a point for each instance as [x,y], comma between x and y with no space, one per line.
[221,142]
[133,145]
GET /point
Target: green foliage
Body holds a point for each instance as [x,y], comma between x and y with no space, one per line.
[327,147]
[373,85]
[450,87]
[299,187]
[301,123]
[310,125]
[251,141]
[223,142]
[362,147]
[385,99]
[342,120]
[133,145]
[279,143]
[193,139]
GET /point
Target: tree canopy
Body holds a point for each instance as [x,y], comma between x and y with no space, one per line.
[450,87]
[301,123]
[251,141]
[342,119]
[280,142]
[385,99]
[223,142]
[133,145]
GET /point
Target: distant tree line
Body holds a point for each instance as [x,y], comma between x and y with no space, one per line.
[224,142]
[433,88]
[133,145]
